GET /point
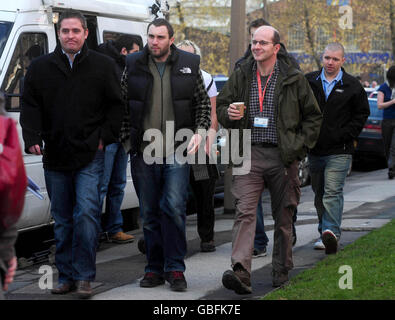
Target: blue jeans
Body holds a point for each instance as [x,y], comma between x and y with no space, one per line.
[113,185]
[261,240]
[328,175]
[162,190]
[75,207]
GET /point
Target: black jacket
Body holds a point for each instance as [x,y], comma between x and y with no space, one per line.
[184,74]
[344,114]
[71,109]
[109,49]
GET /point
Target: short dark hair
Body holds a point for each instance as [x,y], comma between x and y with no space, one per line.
[258,23]
[391,76]
[127,41]
[276,37]
[73,14]
[162,22]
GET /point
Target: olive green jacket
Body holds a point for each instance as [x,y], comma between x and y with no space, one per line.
[298,115]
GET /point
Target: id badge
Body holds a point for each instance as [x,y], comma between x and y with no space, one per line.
[261,122]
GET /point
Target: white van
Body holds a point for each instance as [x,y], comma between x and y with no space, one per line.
[27,30]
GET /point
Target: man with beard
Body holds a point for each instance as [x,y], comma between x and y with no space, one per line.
[165,86]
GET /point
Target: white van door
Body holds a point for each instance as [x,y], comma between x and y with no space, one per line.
[28,42]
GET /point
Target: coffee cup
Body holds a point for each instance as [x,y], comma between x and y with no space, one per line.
[240,107]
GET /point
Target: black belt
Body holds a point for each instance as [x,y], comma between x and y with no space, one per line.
[265,144]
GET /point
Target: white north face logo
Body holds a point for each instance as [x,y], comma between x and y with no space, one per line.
[185,70]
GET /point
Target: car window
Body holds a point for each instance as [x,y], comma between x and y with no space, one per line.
[375,112]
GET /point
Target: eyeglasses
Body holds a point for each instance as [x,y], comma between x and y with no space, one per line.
[261,43]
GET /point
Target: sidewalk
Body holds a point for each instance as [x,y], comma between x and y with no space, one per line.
[120,267]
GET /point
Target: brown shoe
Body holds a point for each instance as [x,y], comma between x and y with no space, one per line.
[84,290]
[280,278]
[121,237]
[63,288]
[237,280]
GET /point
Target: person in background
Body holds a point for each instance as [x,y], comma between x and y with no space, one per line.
[386,102]
[115,156]
[204,176]
[8,236]
[71,109]
[345,107]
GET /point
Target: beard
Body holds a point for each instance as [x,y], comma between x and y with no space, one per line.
[159,54]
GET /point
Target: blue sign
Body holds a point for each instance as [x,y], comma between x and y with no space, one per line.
[337,2]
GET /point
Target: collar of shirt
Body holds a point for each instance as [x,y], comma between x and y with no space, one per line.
[68,57]
[328,86]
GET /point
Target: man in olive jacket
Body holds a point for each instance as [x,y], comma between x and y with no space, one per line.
[284,120]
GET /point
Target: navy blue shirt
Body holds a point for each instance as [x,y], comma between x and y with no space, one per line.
[388,113]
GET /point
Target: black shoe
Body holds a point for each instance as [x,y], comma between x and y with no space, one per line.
[256,253]
[207,246]
[177,280]
[141,245]
[151,280]
[390,174]
[294,238]
[279,278]
[237,280]
[84,290]
[330,241]
[63,288]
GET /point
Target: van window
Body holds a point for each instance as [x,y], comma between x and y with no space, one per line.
[28,47]
[5,28]
[110,35]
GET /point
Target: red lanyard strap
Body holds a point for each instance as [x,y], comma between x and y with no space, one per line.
[262,94]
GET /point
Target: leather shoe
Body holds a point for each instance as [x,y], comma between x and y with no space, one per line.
[84,290]
[63,288]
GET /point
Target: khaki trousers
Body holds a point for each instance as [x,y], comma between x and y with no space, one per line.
[284,187]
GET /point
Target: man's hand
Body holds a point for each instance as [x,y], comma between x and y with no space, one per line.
[234,113]
[210,140]
[100,145]
[194,144]
[9,277]
[35,150]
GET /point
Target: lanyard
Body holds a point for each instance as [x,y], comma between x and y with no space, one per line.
[262,94]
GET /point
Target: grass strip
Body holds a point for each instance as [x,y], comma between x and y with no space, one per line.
[372,277]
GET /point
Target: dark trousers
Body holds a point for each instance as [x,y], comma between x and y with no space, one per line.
[388,127]
[283,184]
[204,195]
[162,190]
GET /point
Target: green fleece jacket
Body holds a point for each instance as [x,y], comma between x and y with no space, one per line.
[298,115]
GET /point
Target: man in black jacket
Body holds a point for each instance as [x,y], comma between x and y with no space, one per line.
[166,94]
[345,108]
[115,156]
[72,103]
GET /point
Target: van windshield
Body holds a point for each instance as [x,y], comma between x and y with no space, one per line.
[5,28]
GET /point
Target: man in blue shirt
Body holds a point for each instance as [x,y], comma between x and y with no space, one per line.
[344,105]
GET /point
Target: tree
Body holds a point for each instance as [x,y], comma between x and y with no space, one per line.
[392,26]
[214,46]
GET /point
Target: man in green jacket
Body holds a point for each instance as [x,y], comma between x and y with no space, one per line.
[284,121]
